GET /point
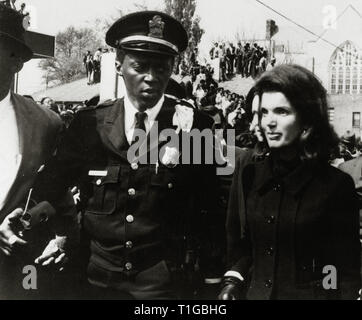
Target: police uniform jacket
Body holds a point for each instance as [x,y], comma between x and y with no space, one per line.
[132,212]
[292,225]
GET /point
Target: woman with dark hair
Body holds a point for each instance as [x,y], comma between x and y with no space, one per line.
[298,216]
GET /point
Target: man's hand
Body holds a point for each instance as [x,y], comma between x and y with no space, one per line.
[9,240]
[54,254]
[231,289]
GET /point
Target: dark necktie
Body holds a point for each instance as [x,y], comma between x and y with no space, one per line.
[140,118]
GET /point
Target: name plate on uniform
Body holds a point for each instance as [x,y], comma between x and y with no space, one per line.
[95,173]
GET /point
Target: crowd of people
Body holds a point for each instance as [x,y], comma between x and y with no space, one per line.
[170,227]
[247,60]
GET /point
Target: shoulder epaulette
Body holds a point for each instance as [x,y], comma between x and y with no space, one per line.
[181,101]
[106,103]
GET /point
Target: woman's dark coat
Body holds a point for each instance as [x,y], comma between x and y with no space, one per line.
[290,233]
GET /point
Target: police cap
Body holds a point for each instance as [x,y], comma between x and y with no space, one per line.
[148,31]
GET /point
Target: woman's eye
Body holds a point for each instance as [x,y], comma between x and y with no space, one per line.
[282,111]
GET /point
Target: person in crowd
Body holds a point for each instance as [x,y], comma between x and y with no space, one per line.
[223,62]
[46,102]
[138,214]
[49,103]
[300,215]
[97,65]
[240,59]
[262,63]
[89,66]
[218,99]
[348,140]
[213,51]
[199,93]
[28,137]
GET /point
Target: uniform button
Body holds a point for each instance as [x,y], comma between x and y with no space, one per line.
[270,219]
[132,192]
[170,185]
[134,166]
[270,251]
[268,284]
[129,266]
[98,182]
[130,218]
[129,245]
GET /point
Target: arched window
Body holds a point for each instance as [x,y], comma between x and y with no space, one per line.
[348,80]
[345,70]
[334,81]
[354,80]
[340,80]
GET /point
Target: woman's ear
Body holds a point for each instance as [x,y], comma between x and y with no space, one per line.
[119,68]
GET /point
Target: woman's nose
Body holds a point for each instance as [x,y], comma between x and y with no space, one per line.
[270,120]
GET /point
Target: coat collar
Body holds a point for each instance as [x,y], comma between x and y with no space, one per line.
[293,183]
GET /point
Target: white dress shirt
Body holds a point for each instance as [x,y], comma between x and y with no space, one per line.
[130,112]
[10,157]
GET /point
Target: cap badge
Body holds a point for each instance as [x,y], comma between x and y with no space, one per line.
[156,27]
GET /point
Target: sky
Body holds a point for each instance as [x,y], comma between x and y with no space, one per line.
[221,19]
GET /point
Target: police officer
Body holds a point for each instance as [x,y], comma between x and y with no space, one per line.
[136,212]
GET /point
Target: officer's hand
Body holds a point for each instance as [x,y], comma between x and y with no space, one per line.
[231,289]
[54,255]
[9,240]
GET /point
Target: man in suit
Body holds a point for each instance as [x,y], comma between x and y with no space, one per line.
[28,135]
[139,212]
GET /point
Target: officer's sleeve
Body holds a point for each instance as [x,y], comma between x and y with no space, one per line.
[61,173]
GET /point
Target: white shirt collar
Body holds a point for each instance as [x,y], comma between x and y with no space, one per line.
[130,110]
[6,101]
[152,113]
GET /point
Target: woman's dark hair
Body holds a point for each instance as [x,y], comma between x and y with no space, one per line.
[309,98]
[249,103]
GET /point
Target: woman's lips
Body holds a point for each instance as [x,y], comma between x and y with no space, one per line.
[273,135]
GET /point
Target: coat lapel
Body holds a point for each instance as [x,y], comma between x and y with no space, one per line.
[28,140]
[113,132]
[114,136]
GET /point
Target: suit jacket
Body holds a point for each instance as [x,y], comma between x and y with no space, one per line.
[39,129]
[292,228]
[133,213]
[354,169]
